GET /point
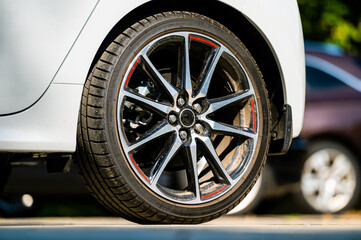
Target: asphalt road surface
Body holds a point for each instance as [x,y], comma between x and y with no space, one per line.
[247,227]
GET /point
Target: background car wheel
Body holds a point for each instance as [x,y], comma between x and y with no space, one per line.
[174,124]
[330,178]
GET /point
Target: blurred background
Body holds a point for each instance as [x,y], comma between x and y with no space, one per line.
[320,174]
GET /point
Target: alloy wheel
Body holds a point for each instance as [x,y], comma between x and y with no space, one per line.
[187,117]
[328,180]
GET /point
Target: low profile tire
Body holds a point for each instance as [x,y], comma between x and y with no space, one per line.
[254,197]
[330,178]
[174,124]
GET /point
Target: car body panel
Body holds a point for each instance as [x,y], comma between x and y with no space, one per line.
[284,32]
[326,119]
[333,110]
[35,39]
[35,131]
[44,133]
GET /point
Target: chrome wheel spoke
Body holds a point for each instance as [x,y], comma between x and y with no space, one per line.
[159,78]
[162,162]
[310,184]
[344,188]
[318,162]
[340,167]
[192,171]
[231,130]
[219,103]
[161,108]
[150,136]
[215,163]
[209,70]
[186,72]
[325,196]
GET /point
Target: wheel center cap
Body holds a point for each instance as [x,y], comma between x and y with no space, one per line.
[187,117]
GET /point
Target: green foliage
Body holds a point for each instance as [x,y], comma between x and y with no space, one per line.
[333,21]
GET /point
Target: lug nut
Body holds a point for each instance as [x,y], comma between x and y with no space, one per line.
[172,118]
[199,128]
[197,107]
[181,102]
[183,135]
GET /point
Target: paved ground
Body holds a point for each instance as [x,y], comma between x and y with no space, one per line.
[248,227]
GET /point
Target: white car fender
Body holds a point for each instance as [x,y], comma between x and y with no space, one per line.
[50,125]
[283,31]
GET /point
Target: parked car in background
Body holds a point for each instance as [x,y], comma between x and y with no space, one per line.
[330,177]
[322,169]
[169,108]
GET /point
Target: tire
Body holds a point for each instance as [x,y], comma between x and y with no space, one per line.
[151,147]
[330,178]
[252,199]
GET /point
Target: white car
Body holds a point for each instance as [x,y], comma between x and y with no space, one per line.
[169,108]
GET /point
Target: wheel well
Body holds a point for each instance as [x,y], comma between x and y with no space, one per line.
[234,21]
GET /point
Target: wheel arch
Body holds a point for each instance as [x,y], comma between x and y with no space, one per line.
[256,42]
